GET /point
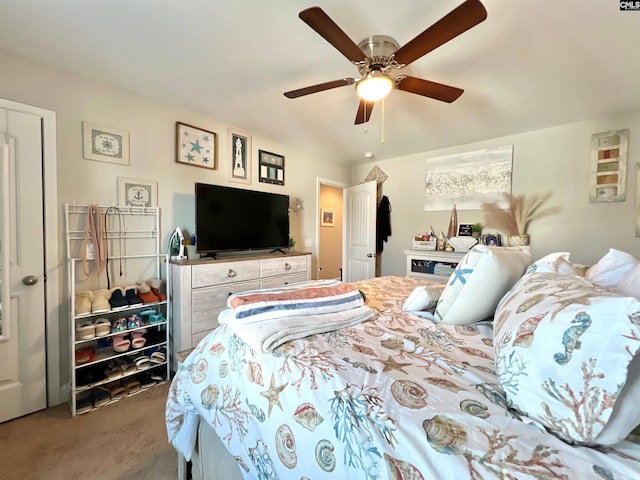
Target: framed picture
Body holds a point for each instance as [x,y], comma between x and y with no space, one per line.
[271,167]
[492,239]
[327,217]
[239,151]
[105,144]
[608,176]
[136,192]
[195,146]
[464,230]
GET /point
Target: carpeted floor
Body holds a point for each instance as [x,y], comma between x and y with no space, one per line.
[126,440]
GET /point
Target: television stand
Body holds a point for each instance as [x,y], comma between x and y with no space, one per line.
[278,250]
[209,255]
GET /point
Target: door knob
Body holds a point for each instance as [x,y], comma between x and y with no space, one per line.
[371,255]
[30,280]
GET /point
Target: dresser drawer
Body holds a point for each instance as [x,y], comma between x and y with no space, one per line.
[276,282]
[283,266]
[226,272]
[207,303]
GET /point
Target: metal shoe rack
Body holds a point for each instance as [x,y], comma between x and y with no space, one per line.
[131,236]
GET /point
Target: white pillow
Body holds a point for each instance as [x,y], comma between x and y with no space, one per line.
[423,298]
[567,356]
[611,269]
[630,284]
[478,283]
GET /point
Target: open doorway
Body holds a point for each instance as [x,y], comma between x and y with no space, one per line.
[329,228]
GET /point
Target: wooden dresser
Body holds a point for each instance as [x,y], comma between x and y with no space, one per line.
[199,288]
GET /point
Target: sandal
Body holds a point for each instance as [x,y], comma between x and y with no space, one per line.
[113,371]
[157,357]
[116,390]
[137,340]
[103,327]
[142,362]
[126,365]
[132,385]
[101,396]
[84,402]
[121,344]
[146,381]
[85,355]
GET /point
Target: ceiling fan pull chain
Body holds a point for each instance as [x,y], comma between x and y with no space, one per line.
[382,123]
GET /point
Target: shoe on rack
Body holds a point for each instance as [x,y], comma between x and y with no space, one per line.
[145,293]
[117,299]
[101,396]
[137,338]
[103,327]
[84,402]
[121,344]
[83,302]
[155,285]
[85,330]
[132,299]
[100,302]
[116,390]
[85,355]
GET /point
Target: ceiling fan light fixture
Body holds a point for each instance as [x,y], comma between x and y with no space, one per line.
[374,86]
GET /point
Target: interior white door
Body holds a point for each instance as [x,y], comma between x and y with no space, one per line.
[359,232]
[23,386]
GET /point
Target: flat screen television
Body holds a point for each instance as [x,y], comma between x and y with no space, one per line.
[230,218]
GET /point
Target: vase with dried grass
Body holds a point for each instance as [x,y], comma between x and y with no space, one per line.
[514,220]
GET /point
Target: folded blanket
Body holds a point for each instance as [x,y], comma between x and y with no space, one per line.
[267,335]
[304,298]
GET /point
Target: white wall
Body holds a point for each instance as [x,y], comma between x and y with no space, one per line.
[151,125]
[554,159]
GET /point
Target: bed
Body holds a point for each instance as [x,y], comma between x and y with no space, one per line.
[404,395]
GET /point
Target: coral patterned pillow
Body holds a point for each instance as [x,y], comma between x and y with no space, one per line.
[564,353]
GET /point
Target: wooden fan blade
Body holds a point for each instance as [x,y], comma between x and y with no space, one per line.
[458,21]
[332,33]
[364,111]
[319,87]
[438,91]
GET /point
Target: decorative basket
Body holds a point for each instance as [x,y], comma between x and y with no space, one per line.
[425,244]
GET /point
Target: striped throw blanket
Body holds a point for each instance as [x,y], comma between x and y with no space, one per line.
[304,298]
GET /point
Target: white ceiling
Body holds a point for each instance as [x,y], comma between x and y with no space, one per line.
[531,64]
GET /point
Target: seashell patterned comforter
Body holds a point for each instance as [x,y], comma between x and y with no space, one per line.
[398,397]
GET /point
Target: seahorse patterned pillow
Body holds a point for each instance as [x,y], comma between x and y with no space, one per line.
[478,283]
[566,356]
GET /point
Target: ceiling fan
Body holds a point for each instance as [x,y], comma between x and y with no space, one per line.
[378,55]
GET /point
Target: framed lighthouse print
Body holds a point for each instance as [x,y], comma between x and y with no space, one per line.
[136,192]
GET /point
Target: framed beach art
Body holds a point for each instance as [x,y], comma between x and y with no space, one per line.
[195,146]
[137,192]
[239,153]
[105,144]
[271,168]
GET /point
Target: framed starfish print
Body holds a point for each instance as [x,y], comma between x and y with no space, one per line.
[196,146]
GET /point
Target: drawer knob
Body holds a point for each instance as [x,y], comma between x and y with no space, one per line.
[287,266]
[231,273]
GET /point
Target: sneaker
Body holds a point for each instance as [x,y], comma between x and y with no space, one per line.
[83,302]
[100,302]
[117,299]
[132,299]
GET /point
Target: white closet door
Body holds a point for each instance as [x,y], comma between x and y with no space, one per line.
[23,387]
